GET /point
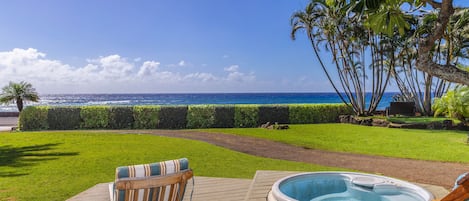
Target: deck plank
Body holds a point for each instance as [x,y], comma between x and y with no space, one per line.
[206,188]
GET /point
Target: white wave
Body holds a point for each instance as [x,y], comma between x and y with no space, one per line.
[120,102]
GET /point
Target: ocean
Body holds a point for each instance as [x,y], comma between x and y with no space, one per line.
[187,99]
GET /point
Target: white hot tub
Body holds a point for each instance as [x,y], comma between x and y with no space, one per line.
[345,186]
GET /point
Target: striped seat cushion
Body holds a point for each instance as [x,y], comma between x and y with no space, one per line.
[146,170]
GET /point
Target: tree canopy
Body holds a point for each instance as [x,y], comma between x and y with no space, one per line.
[18,92]
[389,15]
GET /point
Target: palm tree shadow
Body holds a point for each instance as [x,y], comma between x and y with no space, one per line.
[16,157]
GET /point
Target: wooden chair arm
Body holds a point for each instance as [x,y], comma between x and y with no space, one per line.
[153,181]
[461,193]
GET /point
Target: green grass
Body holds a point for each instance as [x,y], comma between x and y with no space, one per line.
[437,145]
[419,119]
[58,165]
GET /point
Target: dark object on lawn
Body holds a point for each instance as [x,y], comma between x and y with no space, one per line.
[277,126]
[448,124]
[401,108]
[282,127]
[267,125]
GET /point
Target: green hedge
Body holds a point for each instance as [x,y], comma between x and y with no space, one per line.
[200,116]
[173,117]
[121,117]
[224,116]
[64,118]
[146,117]
[246,116]
[176,117]
[95,117]
[316,113]
[34,118]
[273,113]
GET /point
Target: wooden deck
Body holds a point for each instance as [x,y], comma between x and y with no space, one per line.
[224,189]
[204,188]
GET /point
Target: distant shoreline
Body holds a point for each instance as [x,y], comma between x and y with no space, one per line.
[202,93]
[133,99]
[9,114]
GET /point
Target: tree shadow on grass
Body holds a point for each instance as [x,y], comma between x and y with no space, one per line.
[17,157]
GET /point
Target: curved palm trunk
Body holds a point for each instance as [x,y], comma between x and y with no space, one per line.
[316,52]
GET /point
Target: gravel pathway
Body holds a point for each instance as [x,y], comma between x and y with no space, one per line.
[428,172]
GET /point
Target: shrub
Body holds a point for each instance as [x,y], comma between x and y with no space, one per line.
[173,117]
[343,109]
[146,117]
[224,116]
[273,113]
[121,117]
[63,118]
[316,113]
[33,118]
[454,104]
[246,116]
[94,117]
[200,116]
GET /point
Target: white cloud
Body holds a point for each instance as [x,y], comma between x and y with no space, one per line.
[233,68]
[235,75]
[114,66]
[30,64]
[148,68]
[204,77]
[113,74]
[182,63]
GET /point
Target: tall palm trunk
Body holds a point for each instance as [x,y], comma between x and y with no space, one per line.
[427,96]
[19,104]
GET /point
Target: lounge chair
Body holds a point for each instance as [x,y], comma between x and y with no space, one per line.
[161,181]
[460,191]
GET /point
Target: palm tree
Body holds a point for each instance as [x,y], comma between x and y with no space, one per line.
[328,23]
[18,92]
[306,20]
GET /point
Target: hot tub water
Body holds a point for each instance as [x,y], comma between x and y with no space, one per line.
[345,186]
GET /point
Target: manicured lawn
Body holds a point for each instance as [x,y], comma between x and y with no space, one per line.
[435,145]
[420,119]
[57,165]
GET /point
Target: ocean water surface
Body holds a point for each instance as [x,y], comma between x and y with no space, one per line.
[188,99]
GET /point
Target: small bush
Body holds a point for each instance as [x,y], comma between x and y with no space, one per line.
[146,117]
[64,118]
[273,113]
[121,117]
[173,117]
[200,116]
[246,116]
[224,116]
[94,117]
[34,118]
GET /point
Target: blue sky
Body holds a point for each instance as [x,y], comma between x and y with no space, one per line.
[159,46]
